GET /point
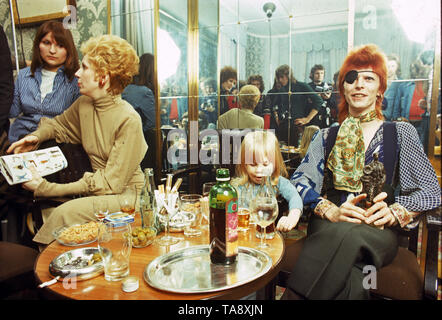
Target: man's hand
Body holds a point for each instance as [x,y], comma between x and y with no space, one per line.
[348,211]
[379,213]
[301,121]
[26,144]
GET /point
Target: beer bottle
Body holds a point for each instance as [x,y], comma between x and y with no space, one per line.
[223,201]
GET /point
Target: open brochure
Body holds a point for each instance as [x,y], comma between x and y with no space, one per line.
[15,167]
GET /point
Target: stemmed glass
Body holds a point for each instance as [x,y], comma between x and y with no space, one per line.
[101,209]
[167,208]
[265,211]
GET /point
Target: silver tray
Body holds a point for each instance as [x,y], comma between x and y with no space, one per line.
[75,264]
[189,270]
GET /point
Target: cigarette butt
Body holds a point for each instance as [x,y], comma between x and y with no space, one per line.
[177,185]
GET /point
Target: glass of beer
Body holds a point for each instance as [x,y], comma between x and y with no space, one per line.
[243,219]
[243,208]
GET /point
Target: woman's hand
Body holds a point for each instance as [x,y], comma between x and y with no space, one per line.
[26,144]
[348,211]
[379,213]
[33,184]
[287,223]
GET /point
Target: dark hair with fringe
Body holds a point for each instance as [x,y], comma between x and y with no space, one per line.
[64,38]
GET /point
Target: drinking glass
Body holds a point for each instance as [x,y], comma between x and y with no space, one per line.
[167,208]
[205,203]
[127,199]
[265,211]
[206,188]
[244,208]
[191,206]
[101,209]
[114,245]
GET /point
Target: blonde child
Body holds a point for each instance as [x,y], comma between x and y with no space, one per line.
[260,153]
[307,136]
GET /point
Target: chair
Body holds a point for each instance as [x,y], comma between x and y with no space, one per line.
[400,280]
[17,269]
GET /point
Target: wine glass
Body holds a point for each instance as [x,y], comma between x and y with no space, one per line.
[101,209]
[167,208]
[265,211]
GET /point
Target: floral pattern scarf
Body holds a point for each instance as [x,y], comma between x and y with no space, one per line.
[347,157]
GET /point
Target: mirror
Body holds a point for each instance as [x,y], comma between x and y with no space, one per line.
[410,51]
[256,37]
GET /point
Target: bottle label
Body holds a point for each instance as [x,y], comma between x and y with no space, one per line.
[232,227]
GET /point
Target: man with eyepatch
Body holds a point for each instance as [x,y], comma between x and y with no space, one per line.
[343,235]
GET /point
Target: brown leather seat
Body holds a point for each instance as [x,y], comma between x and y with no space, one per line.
[17,268]
[402,279]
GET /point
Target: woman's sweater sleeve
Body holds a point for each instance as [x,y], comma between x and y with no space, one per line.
[127,152]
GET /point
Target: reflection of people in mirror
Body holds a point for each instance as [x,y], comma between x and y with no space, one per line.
[228,77]
[394,73]
[299,107]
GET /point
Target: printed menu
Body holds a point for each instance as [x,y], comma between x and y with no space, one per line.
[15,167]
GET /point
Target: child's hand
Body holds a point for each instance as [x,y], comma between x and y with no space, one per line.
[287,223]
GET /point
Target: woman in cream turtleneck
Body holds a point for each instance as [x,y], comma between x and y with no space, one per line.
[108,127]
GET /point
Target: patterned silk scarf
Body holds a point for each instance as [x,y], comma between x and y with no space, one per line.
[347,157]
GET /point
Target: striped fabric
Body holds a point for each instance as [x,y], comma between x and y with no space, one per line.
[27,106]
[419,188]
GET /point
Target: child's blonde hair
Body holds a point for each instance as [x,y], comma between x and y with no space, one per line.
[307,136]
[257,144]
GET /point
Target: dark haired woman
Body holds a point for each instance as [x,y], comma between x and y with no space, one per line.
[48,86]
[141,95]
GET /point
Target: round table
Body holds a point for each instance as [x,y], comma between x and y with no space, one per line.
[99,289]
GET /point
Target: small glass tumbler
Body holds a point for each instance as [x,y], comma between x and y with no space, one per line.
[191,206]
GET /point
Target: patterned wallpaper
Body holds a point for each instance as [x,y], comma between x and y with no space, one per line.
[91,22]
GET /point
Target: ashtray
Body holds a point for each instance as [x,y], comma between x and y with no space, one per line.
[83,263]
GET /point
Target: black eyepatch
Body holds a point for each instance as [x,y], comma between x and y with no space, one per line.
[352,75]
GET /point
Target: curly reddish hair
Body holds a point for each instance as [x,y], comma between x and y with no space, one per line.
[112,55]
[366,56]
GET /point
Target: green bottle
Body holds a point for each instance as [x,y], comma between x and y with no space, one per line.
[223,202]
